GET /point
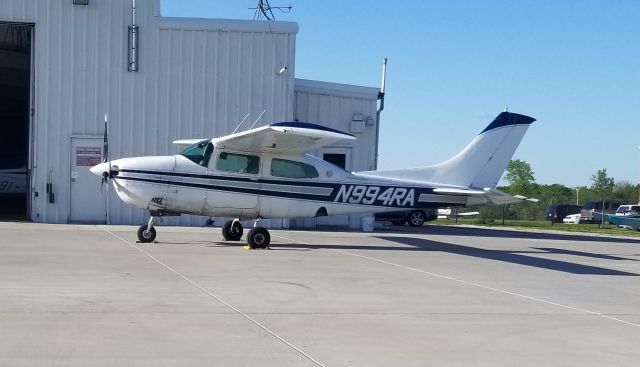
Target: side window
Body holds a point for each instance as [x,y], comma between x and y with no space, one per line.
[292,169]
[239,163]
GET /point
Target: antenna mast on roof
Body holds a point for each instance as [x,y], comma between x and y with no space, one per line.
[263,10]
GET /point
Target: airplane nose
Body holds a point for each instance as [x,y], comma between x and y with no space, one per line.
[99,169]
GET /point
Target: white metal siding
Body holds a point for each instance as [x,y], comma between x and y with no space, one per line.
[334,105]
[197,78]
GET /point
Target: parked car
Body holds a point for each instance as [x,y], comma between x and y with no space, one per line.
[415,218]
[628,210]
[556,213]
[572,219]
[608,207]
[624,212]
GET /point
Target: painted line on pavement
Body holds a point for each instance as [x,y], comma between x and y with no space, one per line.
[210,294]
[462,281]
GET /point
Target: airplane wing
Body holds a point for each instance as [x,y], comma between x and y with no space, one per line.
[282,137]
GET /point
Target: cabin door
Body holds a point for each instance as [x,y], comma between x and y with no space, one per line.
[341,157]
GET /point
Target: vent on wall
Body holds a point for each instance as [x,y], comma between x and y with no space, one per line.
[80,2]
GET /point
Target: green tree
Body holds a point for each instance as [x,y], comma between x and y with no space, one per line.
[626,191]
[602,183]
[556,194]
[520,177]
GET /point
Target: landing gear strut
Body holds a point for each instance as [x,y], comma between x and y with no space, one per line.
[146,232]
[232,230]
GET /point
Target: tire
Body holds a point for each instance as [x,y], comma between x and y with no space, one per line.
[399,222]
[146,236]
[416,218]
[258,238]
[231,232]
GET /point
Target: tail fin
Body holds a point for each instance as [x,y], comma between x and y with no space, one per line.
[481,163]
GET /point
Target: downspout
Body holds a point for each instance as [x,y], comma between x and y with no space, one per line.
[380,108]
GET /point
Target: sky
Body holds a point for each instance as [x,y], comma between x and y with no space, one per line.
[454,65]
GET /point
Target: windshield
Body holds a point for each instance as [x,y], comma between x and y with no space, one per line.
[199,152]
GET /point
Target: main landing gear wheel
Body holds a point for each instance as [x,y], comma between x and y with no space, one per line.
[145,235]
[258,238]
[232,230]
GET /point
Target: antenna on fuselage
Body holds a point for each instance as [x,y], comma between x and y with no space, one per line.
[258,119]
[240,124]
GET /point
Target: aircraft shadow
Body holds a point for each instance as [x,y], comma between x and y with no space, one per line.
[582,253]
[500,233]
[512,257]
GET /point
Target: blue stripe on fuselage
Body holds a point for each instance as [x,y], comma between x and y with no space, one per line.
[341,193]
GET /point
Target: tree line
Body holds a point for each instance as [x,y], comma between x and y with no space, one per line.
[521,181]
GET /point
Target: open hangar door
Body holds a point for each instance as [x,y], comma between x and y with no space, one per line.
[15,88]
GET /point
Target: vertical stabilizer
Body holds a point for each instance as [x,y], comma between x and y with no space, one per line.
[481,163]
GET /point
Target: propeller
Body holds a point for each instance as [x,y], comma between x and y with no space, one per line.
[105,170]
[105,149]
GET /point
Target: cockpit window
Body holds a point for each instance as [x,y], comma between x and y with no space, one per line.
[199,152]
[292,169]
[239,163]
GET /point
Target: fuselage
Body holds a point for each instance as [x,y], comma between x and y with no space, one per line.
[13,181]
[208,180]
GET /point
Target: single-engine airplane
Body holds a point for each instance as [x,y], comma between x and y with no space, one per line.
[265,173]
[13,181]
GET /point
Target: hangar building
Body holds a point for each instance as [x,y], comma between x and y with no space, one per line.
[64,64]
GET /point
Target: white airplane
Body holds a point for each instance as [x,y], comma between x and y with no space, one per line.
[265,173]
[13,181]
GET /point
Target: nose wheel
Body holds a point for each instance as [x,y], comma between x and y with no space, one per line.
[146,232]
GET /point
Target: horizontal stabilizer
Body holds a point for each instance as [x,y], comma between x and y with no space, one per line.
[451,191]
[492,196]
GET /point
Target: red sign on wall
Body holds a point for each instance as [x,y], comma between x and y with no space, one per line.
[88,156]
